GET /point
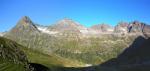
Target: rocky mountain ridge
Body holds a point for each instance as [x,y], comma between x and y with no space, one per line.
[68,26]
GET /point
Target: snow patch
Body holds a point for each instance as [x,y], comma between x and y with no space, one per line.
[110,30]
[84,31]
[123,29]
[45,30]
[87,65]
[1,34]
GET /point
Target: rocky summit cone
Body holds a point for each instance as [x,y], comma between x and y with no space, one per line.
[25,28]
[25,23]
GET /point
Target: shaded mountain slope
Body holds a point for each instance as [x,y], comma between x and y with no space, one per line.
[11,57]
[134,58]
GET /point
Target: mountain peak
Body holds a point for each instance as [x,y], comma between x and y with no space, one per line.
[25,20]
[25,23]
[67,21]
[25,17]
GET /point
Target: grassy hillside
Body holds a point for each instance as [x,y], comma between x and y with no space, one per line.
[92,50]
[6,65]
[49,60]
[11,57]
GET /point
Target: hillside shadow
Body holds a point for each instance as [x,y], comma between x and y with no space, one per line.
[134,58]
[38,67]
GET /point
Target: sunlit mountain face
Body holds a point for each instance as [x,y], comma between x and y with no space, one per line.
[69,46]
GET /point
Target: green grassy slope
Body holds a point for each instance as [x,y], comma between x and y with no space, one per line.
[49,60]
[11,57]
[6,65]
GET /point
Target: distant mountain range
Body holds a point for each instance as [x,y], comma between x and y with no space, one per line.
[68,26]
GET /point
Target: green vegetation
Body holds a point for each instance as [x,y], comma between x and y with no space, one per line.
[6,65]
[11,57]
[49,60]
[92,50]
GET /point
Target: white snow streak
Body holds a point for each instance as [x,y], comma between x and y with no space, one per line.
[45,30]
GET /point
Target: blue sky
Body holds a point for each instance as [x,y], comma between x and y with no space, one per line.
[86,12]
